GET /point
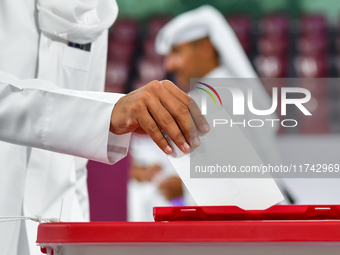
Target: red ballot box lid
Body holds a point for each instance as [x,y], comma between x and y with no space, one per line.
[232,213]
[187,232]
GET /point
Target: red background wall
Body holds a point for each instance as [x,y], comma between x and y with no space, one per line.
[107,190]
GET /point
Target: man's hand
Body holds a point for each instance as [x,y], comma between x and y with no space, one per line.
[144,173]
[156,107]
[171,187]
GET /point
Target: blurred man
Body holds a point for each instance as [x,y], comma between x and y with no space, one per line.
[201,44]
[197,58]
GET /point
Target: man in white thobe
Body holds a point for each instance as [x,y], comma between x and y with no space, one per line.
[53,58]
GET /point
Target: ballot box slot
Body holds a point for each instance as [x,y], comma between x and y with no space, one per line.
[232,213]
[322,208]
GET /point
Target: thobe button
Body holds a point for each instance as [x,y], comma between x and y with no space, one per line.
[49,42]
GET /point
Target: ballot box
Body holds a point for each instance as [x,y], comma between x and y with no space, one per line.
[281,229]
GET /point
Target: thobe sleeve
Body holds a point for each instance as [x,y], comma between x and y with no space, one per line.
[39,114]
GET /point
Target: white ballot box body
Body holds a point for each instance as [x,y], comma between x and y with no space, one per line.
[191,237]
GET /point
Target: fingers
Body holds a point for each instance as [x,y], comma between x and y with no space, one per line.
[194,139]
[196,119]
[173,117]
[160,106]
[148,124]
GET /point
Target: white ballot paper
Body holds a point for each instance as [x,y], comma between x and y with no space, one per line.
[247,193]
